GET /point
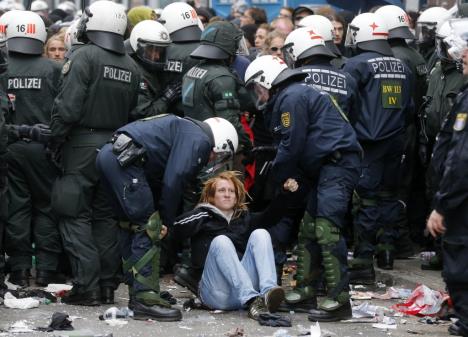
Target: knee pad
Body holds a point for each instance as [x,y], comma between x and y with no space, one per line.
[326,232]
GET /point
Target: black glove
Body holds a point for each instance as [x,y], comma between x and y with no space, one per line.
[22,131]
[276,320]
[172,92]
[40,133]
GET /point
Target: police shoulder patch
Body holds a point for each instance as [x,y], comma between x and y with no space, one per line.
[286,119]
[66,67]
[460,121]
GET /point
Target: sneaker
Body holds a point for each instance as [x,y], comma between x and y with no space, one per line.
[273,298]
[257,307]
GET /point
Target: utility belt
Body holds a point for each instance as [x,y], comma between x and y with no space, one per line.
[127,151]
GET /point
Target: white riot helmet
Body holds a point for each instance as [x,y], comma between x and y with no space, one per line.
[264,73]
[225,135]
[368,32]
[302,43]
[149,40]
[396,20]
[449,45]
[429,23]
[181,21]
[26,33]
[324,27]
[71,38]
[39,6]
[4,21]
[104,23]
[68,7]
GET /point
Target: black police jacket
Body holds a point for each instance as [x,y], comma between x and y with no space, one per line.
[176,151]
[308,126]
[384,84]
[453,189]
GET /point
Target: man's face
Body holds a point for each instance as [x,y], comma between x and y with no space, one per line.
[246,19]
[56,50]
[338,28]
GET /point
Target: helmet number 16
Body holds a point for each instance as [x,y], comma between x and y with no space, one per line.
[28,29]
[189,15]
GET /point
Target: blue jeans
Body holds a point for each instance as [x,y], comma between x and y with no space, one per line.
[226,282]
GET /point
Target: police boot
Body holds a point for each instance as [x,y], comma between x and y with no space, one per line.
[362,271]
[79,296]
[184,276]
[385,256]
[20,277]
[149,305]
[303,297]
[336,305]
[44,277]
[457,329]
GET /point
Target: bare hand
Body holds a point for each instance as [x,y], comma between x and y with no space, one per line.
[435,224]
[291,185]
[163,232]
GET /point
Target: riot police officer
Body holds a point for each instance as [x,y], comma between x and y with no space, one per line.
[184,27]
[384,83]
[305,50]
[445,82]
[147,168]
[149,41]
[427,26]
[398,32]
[316,142]
[324,27]
[99,89]
[32,86]
[210,89]
[449,217]
[3,180]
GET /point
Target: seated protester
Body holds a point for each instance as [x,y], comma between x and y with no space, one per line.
[229,249]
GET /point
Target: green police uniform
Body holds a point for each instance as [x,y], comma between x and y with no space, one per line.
[210,89]
[3,186]
[32,86]
[99,89]
[149,94]
[178,62]
[445,81]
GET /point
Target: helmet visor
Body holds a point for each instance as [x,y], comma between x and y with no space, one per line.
[152,54]
[351,36]
[456,41]
[288,54]
[260,94]
[425,32]
[243,49]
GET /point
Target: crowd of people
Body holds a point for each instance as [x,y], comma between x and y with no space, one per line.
[140,142]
